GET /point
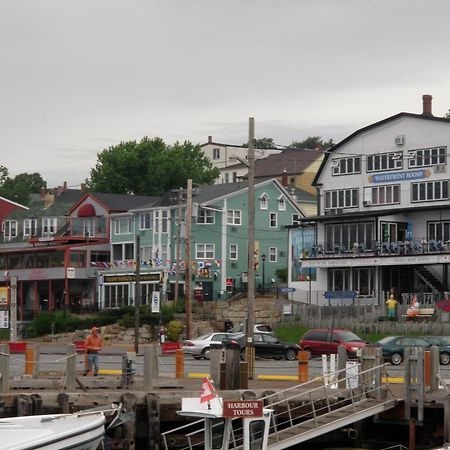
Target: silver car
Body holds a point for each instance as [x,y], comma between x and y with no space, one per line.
[199,347]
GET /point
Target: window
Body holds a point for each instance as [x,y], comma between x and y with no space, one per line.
[295,219]
[227,177]
[164,221]
[272,254]
[29,227]
[204,251]
[164,253]
[263,202]
[123,251]
[233,252]
[340,237]
[345,166]
[145,221]
[359,279]
[156,221]
[439,231]
[205,216]
[384,161]
[88,226]
[383,195]
[233,217]
[9,229]
[234,177]
[429,191]
[273,220]
[216,153]
[281,204]
[345,198]
[146,253]
[339,280]
[122,225]
[427,157]
[48,226]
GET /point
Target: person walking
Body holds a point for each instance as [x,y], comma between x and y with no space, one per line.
[92,345]
[392,305]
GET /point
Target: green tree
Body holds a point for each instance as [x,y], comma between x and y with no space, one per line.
[150,167]
[262,143]
[19,188]
[4,172]
[312,142]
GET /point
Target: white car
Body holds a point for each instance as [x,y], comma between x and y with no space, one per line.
[259,328]
[199,347]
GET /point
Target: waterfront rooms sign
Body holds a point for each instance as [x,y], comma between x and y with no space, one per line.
[390,177]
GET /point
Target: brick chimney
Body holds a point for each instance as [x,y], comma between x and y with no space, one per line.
[427,105]
[209,139]
[42,192]
[284,178]
[83,187]
[49,200]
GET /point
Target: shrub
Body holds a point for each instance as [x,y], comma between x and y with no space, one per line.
[174,329]
[282,274]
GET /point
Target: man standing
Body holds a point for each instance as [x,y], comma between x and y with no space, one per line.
[392,305]
[92,345]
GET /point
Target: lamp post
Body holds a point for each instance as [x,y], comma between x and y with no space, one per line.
[263,259]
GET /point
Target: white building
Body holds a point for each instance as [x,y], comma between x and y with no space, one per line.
[384,215]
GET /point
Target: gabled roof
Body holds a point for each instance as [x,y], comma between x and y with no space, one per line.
[7,200]
[371,127]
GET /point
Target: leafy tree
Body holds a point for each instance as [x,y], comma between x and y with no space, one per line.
[150,167]
[262,143]
[21,186]
[312,142]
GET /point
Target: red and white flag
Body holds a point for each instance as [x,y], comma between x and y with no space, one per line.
[208,392]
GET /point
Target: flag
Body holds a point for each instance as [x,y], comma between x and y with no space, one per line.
[208,392]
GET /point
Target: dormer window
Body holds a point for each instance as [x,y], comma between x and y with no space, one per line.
[264,202]
[281,204]
[48,226]
[29,227]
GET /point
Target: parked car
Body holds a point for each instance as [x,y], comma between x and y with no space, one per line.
[324,341]
[268,346]
[393,347]
[259,327]
[199,347]
[444,343]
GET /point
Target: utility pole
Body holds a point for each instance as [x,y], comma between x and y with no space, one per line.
[250,349]
[178,248]
[13,310]
[137,292]
[187,280]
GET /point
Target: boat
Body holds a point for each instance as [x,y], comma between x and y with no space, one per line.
[83,430]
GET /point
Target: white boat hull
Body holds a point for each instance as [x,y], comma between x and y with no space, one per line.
[82,431]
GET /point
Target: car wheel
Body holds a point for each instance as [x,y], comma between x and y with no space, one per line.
[396,359]
[290,354]
[444,358]
[205,353]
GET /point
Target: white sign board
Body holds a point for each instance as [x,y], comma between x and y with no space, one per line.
[155,302]
[4,319]
[70,272]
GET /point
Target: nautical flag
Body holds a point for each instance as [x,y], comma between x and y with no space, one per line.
[208,392]
[217,262]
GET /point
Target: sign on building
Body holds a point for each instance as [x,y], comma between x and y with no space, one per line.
[156,301]
[4,319]
[3,296]
[71,272]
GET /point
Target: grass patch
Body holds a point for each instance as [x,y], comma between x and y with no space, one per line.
[290,333]
[4,334]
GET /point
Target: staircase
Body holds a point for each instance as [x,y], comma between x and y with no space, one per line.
[429,279]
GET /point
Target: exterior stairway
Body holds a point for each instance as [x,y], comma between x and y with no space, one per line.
[429,279]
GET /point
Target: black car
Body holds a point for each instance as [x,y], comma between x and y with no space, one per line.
[268,346]
[393,347]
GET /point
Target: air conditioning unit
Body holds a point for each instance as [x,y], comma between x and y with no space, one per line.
[399,140]
[367,203]
[440,168]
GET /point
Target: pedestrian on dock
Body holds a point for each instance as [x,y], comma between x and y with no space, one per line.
[92,345]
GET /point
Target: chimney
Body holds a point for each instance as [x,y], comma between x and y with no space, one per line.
[49,200]
[83,187]
[42,192]
[209,139]
[427,105]
[65,186]
[284,178]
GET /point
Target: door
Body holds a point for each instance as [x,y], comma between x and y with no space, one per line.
[207,290]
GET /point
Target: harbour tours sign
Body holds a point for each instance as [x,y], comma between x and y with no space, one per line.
[242,408]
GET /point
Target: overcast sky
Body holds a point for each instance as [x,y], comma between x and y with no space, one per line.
[78,76]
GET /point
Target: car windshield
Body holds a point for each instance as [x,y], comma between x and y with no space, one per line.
[203,337]
[386,340]
[348,336]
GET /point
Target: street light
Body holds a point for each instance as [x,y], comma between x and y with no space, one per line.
[263,259]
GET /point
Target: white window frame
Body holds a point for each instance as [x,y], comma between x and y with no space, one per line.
[426,157]
[345,166]
[282,203]
[122,225]
[385,162]
[391,193]
[164,257]
[205,251]
[273,254]
[426,198]
[234,217]
[156,221]
[296,219]
[29,227]
[333,199]
[216,153]
[164,221]
[206,216]
[146,220]
[49,226]
[88,226]
[273,220]
[234,252]
[9,229]
[146,253]
[264,202]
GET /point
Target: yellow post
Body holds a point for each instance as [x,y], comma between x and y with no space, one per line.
[303,375]
[29,361]
[179,363]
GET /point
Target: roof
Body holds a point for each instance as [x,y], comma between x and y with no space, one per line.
[7,200]
[292,161]
[371,127]
[303,196]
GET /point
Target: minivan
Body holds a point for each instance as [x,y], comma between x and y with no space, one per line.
[324,341]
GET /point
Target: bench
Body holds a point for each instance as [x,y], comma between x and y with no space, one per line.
[424,314]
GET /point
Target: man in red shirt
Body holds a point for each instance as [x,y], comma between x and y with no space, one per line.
[92,345]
